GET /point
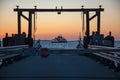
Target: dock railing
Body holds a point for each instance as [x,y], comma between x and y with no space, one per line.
[110,58]
[10,54]
[10,48]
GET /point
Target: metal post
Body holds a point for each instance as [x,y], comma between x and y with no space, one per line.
[30,42]
[87,28]
[98,22]
[19,22]
[87,24]
[87,37]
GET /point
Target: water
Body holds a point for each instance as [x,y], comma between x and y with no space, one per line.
[69,44]
[117,44]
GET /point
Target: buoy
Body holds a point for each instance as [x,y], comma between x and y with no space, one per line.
[44,52]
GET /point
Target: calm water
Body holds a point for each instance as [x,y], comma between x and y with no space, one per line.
[117,43]
[69,44]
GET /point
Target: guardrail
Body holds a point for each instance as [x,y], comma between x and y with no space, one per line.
[112,61]
[9,54]
[13,47]
[110,58]
[102,47]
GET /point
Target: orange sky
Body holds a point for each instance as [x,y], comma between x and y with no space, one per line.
[49,25]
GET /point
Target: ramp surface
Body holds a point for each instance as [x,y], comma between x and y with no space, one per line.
[57,67]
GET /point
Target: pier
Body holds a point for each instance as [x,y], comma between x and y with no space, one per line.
[20,60]
[94,63]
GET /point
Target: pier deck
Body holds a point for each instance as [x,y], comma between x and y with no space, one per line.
[57,66]
[61,64]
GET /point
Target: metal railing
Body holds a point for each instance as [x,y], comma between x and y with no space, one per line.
[9,48]
[10,54]
[110,58]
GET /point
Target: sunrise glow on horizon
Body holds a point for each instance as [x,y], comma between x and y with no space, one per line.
[50,25]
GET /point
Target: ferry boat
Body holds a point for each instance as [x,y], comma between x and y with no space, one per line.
[59,39]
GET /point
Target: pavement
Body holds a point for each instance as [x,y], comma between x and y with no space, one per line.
[57,67]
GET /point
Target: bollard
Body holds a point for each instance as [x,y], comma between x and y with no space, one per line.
[44,52]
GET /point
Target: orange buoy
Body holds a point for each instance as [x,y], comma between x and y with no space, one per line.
[44,52]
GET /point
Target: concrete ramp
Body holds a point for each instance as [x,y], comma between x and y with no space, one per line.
[57,67]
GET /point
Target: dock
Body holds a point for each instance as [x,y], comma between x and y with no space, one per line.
[94,63]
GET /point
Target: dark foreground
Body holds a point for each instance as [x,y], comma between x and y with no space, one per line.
[57,67]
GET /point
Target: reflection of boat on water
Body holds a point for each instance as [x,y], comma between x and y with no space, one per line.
[59,39]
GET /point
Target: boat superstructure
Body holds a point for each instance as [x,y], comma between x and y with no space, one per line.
[59,39]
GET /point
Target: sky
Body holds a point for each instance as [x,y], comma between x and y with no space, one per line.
[50,25]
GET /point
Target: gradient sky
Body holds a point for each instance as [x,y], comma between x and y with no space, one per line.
[49,25]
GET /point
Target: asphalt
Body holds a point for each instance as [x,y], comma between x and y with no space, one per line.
[57,67]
